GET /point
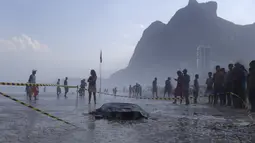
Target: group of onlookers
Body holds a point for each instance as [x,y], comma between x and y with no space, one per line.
[33,90]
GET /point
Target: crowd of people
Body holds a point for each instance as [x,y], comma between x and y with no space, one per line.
[233,87]
[182,89]
[229,87]
[135,90]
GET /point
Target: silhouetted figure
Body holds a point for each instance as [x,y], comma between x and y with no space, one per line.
[196,88]
[58,88]
[92,85]
[185,88]
[178,90]
[138,89]
[155,88]
[251,85]
[130,90]
[168,87]
[229,84]
[82,87]
[114,90]
[218,80]
[66,88]
[134,90]
[209,87]
[223,92]
[238,86]
[44,89]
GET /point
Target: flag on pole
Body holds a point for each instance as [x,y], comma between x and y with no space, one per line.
[101,60]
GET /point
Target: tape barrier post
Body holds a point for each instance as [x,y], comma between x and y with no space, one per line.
[36,109]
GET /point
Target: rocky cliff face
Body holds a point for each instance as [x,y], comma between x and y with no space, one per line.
[163,47]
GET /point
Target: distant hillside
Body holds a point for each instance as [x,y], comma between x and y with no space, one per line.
[164,48]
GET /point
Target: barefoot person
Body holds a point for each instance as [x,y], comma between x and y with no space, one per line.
[92,85]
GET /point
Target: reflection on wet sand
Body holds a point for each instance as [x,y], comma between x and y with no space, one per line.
[168,123]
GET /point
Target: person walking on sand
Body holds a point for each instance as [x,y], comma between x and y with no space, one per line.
[58,88]
[66,86]
[32,89]
[92,85]
[196,88]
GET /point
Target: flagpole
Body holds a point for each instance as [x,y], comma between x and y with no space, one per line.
[100,66]
[100,70]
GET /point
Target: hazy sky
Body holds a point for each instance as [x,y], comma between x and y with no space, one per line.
[64,37]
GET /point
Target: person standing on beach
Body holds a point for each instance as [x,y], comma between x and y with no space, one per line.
[92,85]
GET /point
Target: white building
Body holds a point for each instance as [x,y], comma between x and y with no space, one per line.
[203,58]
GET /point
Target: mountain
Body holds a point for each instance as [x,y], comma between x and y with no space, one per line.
[165,48]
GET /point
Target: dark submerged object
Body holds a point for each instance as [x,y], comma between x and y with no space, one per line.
[120,111]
